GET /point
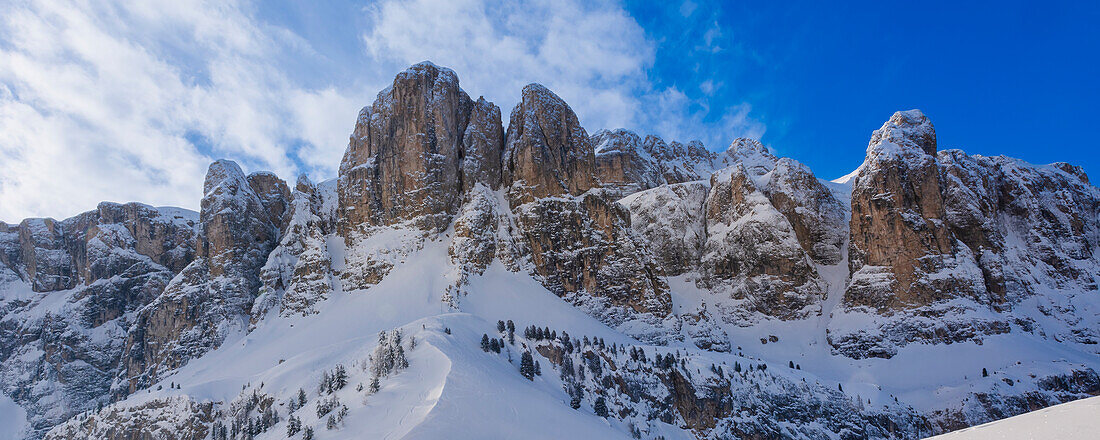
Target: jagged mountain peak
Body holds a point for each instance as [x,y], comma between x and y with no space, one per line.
[910,131]
[223,172]
[441,220]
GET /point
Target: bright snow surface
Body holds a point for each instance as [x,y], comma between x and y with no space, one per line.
[451,389]
[1079,419]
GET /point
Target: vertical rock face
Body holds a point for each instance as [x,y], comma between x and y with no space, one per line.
[115,260]
[622,163]
[483,144]
[416,155]
[404,158]
[1007,212]
[274,197]
[672,220]
[214,293]
[298,273]
[547,153]
[901,250]
[627,164]
[815,214]
[47,263]
[682,163]
[584,244]
[752,248]
[939,237]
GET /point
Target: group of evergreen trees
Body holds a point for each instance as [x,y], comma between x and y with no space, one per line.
[539,334]
[494,345]
[389,355]
[528,366]
[331,382]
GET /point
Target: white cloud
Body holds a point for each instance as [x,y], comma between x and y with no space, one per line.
[131,100]
[101,100]
[592,54]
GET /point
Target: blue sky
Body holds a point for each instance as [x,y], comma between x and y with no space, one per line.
[131,100]
[1019,78]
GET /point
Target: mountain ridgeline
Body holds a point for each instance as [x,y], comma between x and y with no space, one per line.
[665,242]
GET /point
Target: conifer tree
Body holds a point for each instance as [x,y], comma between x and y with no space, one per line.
[527,366]
[485,342]
[293,425]
[375,385]
[339,377]
[500,327]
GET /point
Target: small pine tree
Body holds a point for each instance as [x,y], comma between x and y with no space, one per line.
[985,373]
[527,366]
[511,328]
[301,398]
[400,362]
[293,425]
[737,367]
[307,434]
[790,364]
[575,402]
[538,370]
[375,385]
[600,407]
[485,342]
[567,367]
[339,378]
[500,327]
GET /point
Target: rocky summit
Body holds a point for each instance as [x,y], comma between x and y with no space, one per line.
[463,275]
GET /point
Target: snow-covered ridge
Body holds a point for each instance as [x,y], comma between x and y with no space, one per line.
[1073,420]
[659,290]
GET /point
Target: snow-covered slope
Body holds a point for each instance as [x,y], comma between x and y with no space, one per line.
[467,281]
[1074,420]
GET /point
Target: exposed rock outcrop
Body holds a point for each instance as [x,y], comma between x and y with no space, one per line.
[298,273]
[671,218]
[901,251]
[940,239]
[752,249]
[113,261]
[578,241]
[627,164]
[547,152]
[213,295]
[403,161]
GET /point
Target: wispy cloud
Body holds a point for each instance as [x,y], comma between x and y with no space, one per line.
[131,100]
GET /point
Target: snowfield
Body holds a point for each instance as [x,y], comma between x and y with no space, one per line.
[453,389]
[1079,419]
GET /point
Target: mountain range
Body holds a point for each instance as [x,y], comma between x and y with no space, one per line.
[463,278]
